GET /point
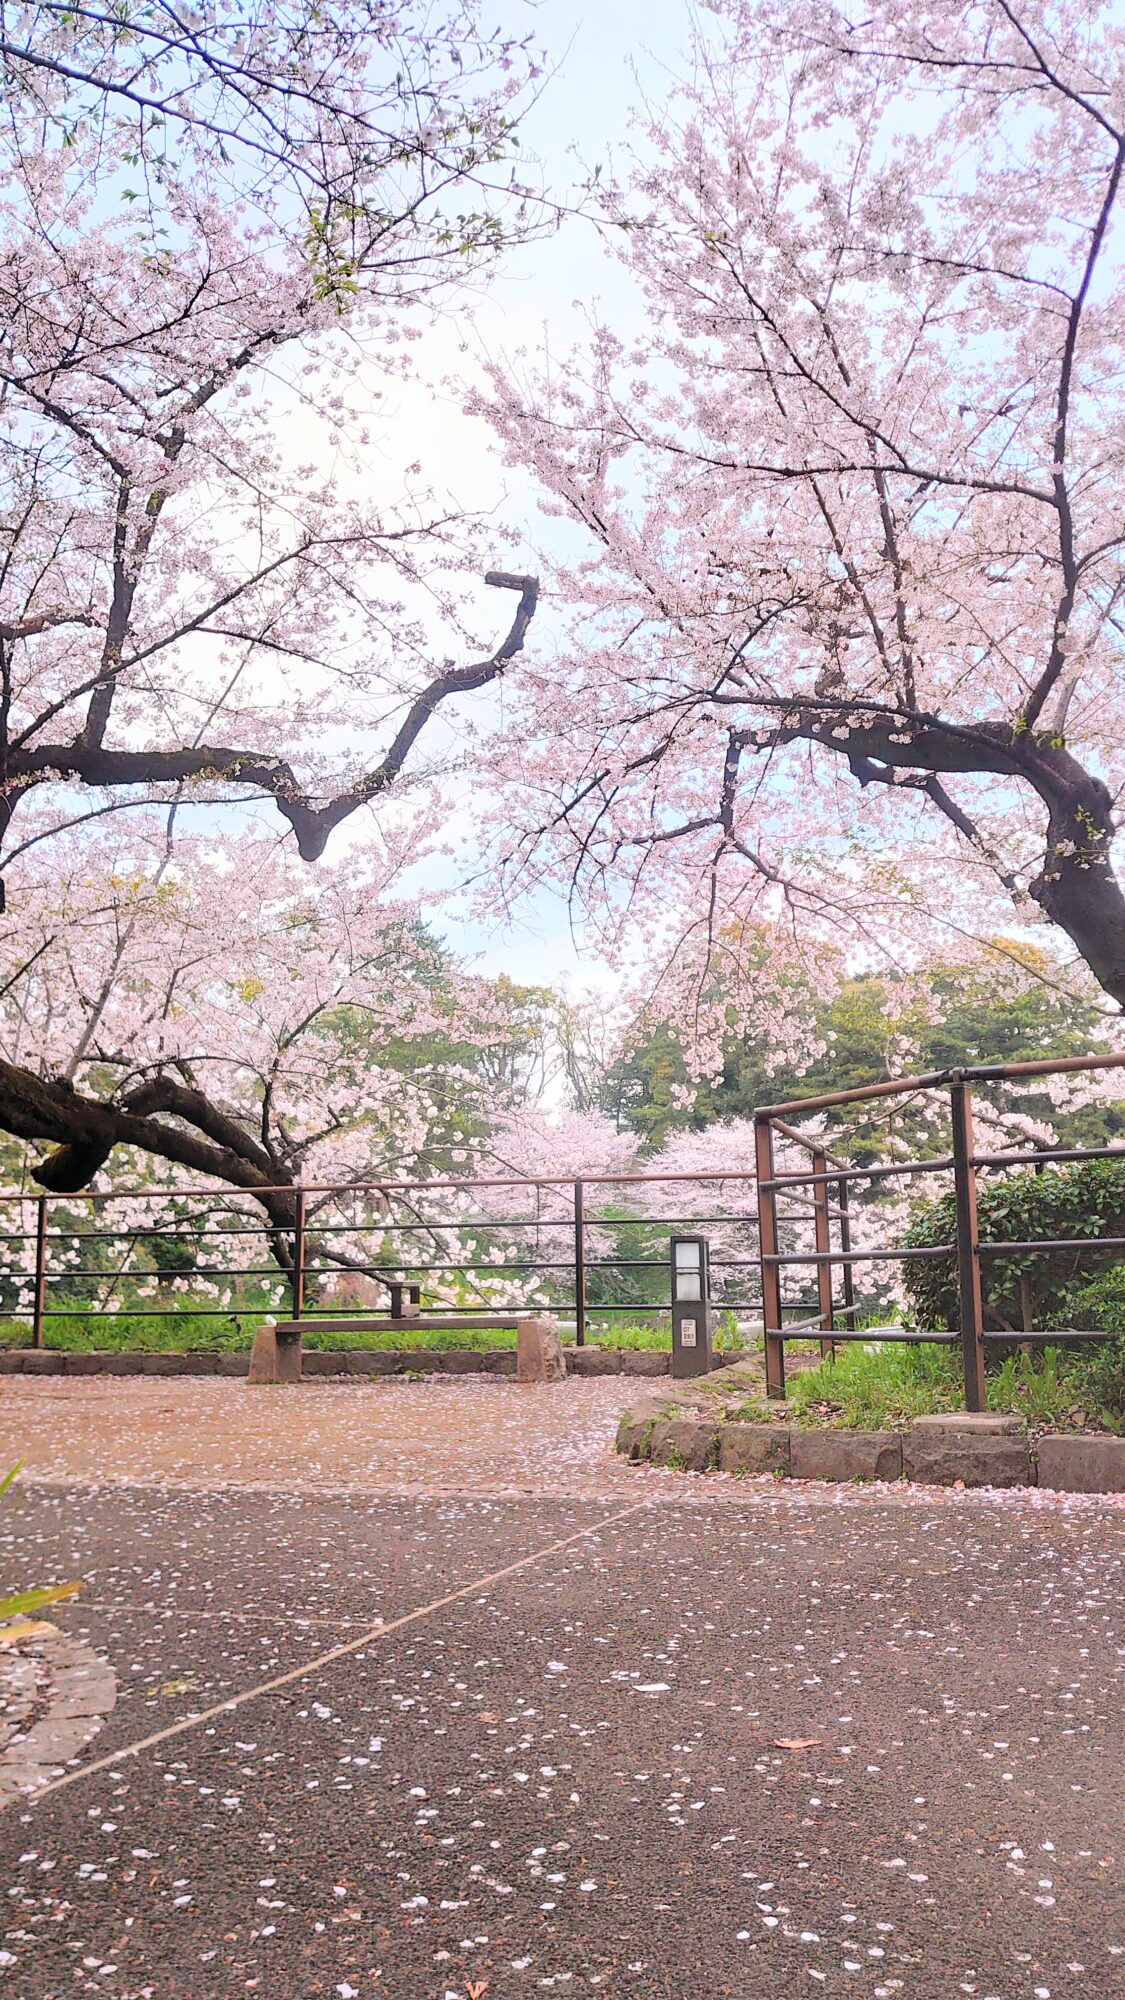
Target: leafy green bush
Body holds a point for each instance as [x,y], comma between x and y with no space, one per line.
[1085,1200]
[1101,1370]
[1099,1305]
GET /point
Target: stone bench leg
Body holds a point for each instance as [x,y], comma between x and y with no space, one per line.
[539,1355]
[288,1357]
[274,1359]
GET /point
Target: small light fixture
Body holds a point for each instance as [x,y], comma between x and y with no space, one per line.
[691,1306]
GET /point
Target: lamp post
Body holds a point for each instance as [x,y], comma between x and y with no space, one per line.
[691,1307]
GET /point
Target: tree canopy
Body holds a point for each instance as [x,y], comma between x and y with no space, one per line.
[846,590]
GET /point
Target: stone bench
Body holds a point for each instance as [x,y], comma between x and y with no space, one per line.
[276,1354]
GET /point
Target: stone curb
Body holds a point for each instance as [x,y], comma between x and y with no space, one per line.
[63,1692]
[329,1362]
[1072,1464]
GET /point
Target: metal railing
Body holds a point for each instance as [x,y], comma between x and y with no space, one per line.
[829,1179]
[70,1257]
[591,1250]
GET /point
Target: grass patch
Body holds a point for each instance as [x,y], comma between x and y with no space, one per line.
[883,1387]
[877,1388]
[186,1332]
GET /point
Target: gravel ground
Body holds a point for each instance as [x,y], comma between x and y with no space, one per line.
[522,1720]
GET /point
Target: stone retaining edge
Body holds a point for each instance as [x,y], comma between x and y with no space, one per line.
[1066,1463]
[82,1689]
[329,1363]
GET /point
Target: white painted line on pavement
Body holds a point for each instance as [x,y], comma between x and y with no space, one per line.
[374,1632]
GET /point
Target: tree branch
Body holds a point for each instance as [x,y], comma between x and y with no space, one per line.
[95,765]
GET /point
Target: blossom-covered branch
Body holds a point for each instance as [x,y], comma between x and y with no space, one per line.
[846,651]
[199,595]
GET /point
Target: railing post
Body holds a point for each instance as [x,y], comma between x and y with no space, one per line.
[968,1249]
[845,1245]
[768,1248]
[579,1264]
[823,1238]
[39,1295]
[298,1281]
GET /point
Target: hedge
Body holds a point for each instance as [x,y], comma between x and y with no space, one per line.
[1085,1200]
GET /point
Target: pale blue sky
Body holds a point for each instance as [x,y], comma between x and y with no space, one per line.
[542,291]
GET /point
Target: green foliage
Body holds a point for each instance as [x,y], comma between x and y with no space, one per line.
[1101,1374]
[1040,1388]
[188,1332]
[889,1385]
[628,1261]
[1085,1200]
[1100,1306]
[963,1018]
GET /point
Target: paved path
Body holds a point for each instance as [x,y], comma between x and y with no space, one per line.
[456,1433]
[510,1719]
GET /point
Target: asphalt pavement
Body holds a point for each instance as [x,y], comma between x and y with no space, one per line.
[666,1736]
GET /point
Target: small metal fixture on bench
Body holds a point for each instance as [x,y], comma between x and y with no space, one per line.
[406,1300]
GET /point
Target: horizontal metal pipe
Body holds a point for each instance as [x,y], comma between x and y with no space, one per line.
[1047,1156]
[257,1227]
[1056,1243]
[810,1145]
[146,1312]
[884,1335]
[800,1326]
[940,1165]
[715,1174]
[934,1079]
[1048,1339]
[210,1276]
[143,1234]
[858,1256]
[389,1227]
[387,1274]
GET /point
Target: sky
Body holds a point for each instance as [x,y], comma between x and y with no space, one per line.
[600,58]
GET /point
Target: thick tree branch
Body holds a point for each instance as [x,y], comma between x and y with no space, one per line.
[85,1130]
[92,763]
[1075,886]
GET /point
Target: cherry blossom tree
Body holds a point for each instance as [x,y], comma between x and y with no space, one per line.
[214,1008]
[845,543]
[214,230]
[340,116]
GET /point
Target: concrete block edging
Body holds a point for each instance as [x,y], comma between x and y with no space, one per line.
[329,1363]
[1072,1463]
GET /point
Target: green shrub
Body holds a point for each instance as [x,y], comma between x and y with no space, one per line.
[1085,1200]
[1098,1306]
[1100,1371]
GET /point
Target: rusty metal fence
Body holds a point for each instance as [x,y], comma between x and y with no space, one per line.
[593,1250]
[823,1190]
